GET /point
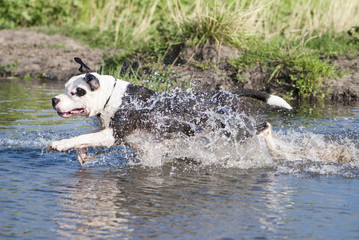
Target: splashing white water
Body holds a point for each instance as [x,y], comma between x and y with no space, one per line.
[227,137]
[310,152]
[209,149]
[315,147]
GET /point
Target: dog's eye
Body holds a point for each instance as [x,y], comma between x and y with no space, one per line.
[80,92]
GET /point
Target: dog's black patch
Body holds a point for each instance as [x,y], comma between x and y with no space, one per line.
[137,93]
[129,117]
[80,92]
[92,81]
[182,114]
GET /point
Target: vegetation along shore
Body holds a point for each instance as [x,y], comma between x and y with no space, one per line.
[304,50]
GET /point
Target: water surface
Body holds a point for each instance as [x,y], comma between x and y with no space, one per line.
[305,194]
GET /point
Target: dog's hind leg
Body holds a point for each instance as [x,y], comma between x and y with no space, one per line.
[265,131]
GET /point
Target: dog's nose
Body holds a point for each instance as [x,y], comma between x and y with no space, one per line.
[55,101]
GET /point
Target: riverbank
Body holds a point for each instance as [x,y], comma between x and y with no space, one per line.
[31,54]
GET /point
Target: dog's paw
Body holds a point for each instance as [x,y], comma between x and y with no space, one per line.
[60,146]
[81,154]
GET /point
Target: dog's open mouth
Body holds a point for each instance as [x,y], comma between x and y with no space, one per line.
[71,113]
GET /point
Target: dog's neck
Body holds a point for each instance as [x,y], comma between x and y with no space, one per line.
[114,99]
[109,97]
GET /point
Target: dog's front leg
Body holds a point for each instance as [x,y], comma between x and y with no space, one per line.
[103,138]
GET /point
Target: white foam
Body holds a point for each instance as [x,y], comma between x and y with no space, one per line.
[303,154]
[212,148]
[315,147]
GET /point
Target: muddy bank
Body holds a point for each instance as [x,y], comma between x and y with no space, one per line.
[345,89]
[29,53]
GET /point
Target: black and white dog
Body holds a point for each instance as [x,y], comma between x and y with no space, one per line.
[124,110]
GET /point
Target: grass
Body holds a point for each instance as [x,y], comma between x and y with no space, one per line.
[301,70]
[220,22]
[138,22]
[6,69]
[159,79]
[296,19]
[130,21]
[285,36]
[342,44]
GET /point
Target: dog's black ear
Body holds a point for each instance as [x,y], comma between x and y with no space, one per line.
[83,68]
[92,81]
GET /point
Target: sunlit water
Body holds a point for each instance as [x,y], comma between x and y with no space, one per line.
[229,192]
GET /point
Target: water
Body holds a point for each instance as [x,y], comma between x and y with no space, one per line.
[232,194]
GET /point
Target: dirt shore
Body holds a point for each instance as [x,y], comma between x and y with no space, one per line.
[39,55]
[30,53]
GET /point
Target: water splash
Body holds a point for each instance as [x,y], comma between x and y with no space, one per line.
[228,137]
[316,147]
[213,149]
[210,128]
[308,154]
[302,153]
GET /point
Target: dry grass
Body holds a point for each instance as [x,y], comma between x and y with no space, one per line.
[132,21]
[296,19]
[220,20]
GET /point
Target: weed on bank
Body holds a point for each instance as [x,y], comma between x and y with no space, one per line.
[294,38]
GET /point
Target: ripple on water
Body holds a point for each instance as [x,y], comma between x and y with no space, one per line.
[196,188]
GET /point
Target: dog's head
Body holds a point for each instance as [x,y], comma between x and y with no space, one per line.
[90,94]
[83,95]
[86,94]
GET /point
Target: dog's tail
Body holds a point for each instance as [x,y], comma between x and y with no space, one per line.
[263,96]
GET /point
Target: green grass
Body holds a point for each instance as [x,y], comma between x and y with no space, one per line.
[307,74]
[342,44]
[287,37]
[24,13]
[6,69]
[301,70]
[137,23]
[153,77]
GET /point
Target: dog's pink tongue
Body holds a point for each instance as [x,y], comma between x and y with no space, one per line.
[76,111]
[72,113]
[66,115]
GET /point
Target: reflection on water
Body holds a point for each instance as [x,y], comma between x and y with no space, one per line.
[205,204]
[21,101]
[302,195]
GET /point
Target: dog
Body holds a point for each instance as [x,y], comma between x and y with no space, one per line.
[125,109]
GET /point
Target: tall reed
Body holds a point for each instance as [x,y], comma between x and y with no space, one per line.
[131,20]
[229,21]
[294,19]
[219,21]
